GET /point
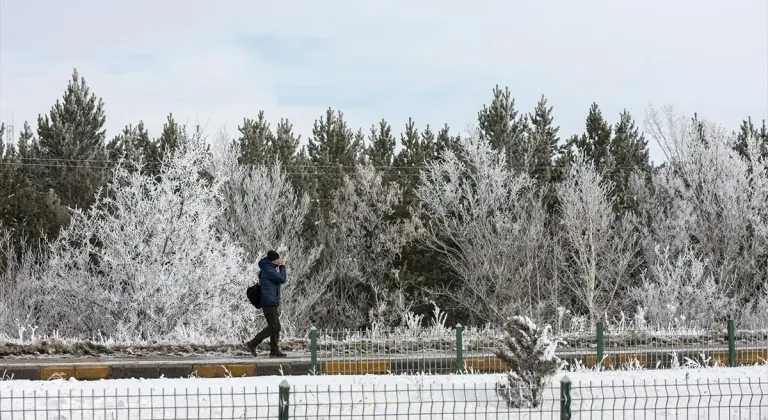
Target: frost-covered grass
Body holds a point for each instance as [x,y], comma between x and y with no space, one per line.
[436,339]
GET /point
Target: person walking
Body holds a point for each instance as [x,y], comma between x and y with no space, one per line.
[271,277]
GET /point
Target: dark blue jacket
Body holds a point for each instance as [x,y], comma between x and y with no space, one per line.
[270,278]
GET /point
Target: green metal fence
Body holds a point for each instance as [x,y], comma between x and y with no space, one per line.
[464,349]
[732,399]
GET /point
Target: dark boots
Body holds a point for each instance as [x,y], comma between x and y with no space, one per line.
[253,345]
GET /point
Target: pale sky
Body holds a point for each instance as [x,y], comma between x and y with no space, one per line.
[216,62]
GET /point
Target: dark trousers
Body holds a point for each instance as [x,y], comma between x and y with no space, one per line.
[272,329]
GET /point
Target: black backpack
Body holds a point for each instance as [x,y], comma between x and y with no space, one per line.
[254,295]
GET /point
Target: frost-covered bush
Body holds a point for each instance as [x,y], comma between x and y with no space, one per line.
[530,358]
[15,276]
[754,315]
[682,292]
[146,261]
[263,211]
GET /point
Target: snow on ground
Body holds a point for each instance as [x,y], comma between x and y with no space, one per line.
[738,393]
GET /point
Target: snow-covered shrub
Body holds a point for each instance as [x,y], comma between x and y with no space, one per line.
[488,226]
[263,211]
[680,292]
[146,261]
[16,275]
[754,315]
[530,357]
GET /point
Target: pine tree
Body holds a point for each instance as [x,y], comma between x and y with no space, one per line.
[444,142]
[429,143]
[132,144]
[28,210]
[255,141]
[501,126]
[629,154]
[285,143]
[170,139]
[414,152]
[27,143]
[333,142]
[381,152]
[71,140]
[595,143]
[544,142]
[333,150]
[359,140]
[747,131]
[2,142]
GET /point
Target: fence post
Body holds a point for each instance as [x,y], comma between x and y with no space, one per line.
[565,398]
[600,344]
[313,351]
[282,407]
[731,343]
[460,348]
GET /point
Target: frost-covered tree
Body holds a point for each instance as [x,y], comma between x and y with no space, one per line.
[263,211]
[712,199]
[601,249]
[363,239]
[530,358]
[147,261]
[487,227]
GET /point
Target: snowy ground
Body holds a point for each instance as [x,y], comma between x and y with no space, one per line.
[723,393]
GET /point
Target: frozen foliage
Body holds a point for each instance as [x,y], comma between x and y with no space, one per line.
[682,291]
[600,247]
[146,260]
[530,357]
[754,314]
[711,200]
[16,312]
[363,238]
[488,227]
[262,211]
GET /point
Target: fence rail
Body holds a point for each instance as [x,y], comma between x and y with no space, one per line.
[447,350]
[742,399]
